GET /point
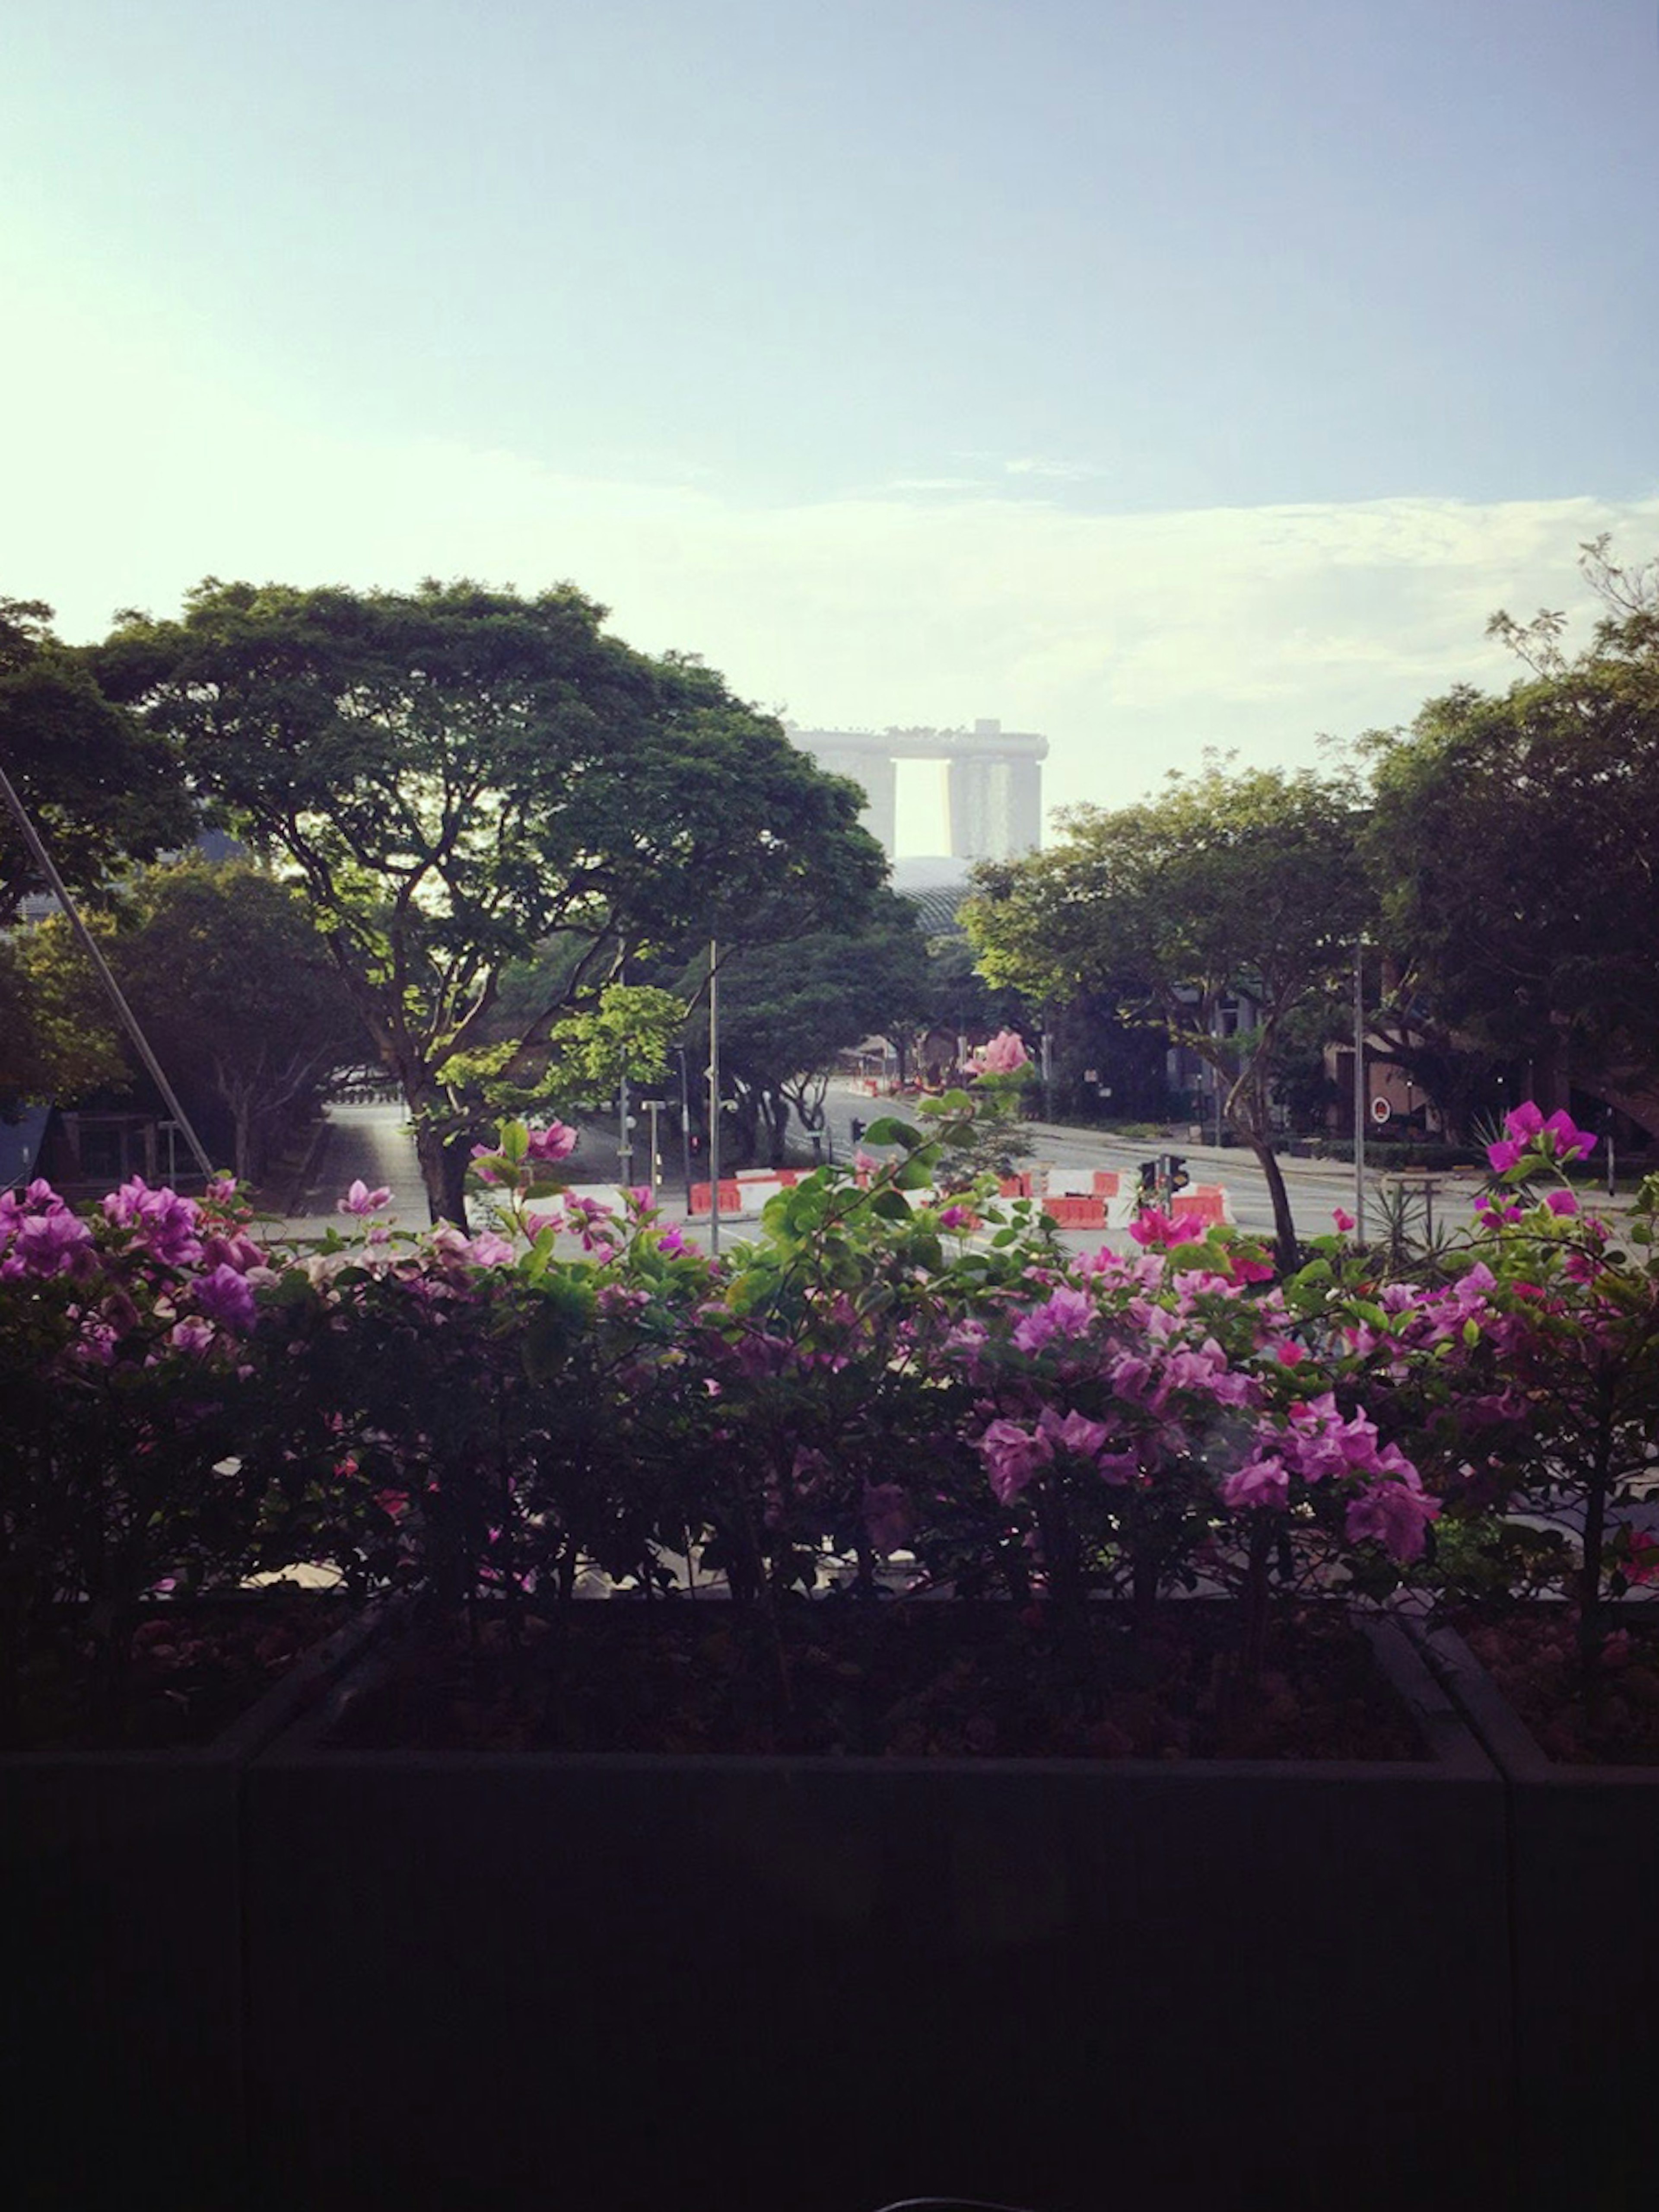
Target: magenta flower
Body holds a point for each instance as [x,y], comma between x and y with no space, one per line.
[484,1159]
[166,1221]
[1344,1221]
[555,1142]
[1152,1227]
[1394,1515]
[226,1297]
[1075,1433]
[673,1244]
[1558,1139]
[360,1199]
[1561,1201]
[1013,1456]
[1259,1482]
[49,1243]
[1067,1313]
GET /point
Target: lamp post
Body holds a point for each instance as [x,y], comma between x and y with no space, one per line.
[1359,1099]
[713,1099]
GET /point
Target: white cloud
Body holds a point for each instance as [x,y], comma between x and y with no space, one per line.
[1134,641]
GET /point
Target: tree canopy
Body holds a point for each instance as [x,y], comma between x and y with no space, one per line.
[1236,881]
[1515,844]
[101,786]
[786,1010]
[454,774]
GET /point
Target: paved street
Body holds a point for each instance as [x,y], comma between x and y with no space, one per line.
[373,1144]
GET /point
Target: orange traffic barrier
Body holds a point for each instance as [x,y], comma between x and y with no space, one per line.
[731,1197]
[1106,1182]
[1207,1203]
[1076,1213]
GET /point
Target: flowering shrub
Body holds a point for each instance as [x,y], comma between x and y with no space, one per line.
[879,1372]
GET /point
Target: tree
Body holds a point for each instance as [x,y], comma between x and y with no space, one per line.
[1515,843]
[1237,881]
[455,774]
[57,1041]
[101,786]
[239,995]
[788,1010]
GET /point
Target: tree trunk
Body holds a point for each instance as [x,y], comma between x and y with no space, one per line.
[1286,1249]
[443,1171]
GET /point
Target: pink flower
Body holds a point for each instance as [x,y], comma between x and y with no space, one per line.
[1561,1201]
[673,1244]
[1005,1055]
[1345,1222]
[487,1249]
[226,1297]
[360,1199]
[1151,1227]
[555,1142]
[1556,1139]
[1075,1432]
[1013,1456]
[1259,1482]
[484,1158]
[1067,1313]
[957,1217]
[49,1244]
[1394,1515]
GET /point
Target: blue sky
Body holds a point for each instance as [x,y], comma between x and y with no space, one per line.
[1155,375]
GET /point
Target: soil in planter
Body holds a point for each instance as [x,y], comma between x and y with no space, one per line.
[196,1666]
[1605,1717]
[893,1680]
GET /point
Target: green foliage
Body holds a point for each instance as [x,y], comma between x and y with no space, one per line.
[56,1036]
[235,989]
[1238,882]
[1516,840]
[455,776]
[101,786]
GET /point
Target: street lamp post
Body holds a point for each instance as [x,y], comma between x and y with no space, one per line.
[713,1099]
[1359,1099]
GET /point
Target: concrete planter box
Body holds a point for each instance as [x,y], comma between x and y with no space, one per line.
[1584,1902]
[514,1981]
[120,1961]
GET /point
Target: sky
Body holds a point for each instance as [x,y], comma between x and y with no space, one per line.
[1158,374]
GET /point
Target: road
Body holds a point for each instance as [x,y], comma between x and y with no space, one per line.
[1315,1187]
[372,1144]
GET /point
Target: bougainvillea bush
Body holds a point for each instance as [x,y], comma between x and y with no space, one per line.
[885,1394]
[1519,1366]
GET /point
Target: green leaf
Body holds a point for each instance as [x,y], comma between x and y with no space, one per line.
[890,1130]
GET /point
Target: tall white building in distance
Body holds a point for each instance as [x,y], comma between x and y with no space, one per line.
[994,778]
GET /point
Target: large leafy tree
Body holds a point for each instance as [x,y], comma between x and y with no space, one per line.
[1234,882]
[239,995]
[1515,844]
[455,774]
[100,787]
[788,1010]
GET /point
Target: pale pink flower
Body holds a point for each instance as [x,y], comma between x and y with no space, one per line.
[1006,1054]
[360,1199]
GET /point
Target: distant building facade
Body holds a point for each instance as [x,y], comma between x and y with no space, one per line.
[994,779]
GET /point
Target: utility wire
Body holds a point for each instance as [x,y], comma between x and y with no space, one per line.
[129,1020]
